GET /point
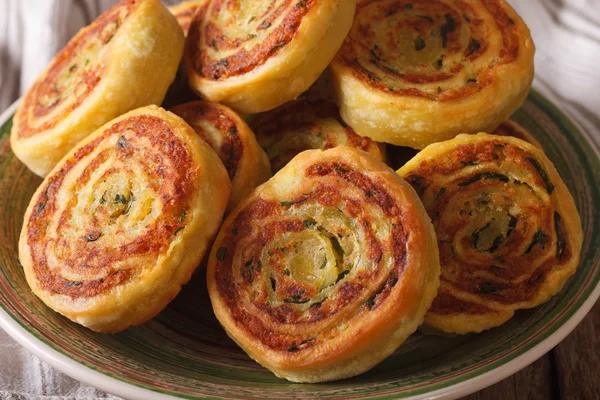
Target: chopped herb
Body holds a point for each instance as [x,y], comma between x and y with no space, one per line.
[560,240]
[291,203]
[296,300]
[418,183]
[72,67]
[41,205]
[119,198]
[468,163]
[439,63]
[178,230]
[129,203]
[73,283]
[337,246]
[233,131]
[286,272]
[476,233]
[264,25]
[234,231]
[252,18]
[221,253]
[497,242]
[308,223]
[473,47]
[248,271]
[448,27]
[301,3]
[539,237]
[273,284]
[485,175]
[439,89]
[379,258]
[293,348]
[440,193]
[542,174]
[393,71]
[408,6]
[102,199]
[87,61]
[419,43]
[512,224]
[277,46]
[340,169]
[122,143]
[486,288]
[318,304]
[341,275]
[470,80]
[182,217]
[92,237]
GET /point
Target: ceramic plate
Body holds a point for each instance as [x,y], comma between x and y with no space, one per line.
[184,352]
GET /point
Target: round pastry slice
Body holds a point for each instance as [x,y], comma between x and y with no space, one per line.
[125,59]
[123,220]
[508,231]
[412,73]
[246,162]
[307,124]
[514,129]
[323,271]
[256,55]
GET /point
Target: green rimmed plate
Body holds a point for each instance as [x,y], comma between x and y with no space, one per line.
[184,352]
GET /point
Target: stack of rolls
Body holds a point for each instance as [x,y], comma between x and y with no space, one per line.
[324,269]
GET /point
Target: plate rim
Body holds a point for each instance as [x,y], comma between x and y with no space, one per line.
[115,386]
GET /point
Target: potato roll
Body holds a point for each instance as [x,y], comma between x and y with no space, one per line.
[122,221]
[256,55]
[412,73]
[324,270]
[508,231]
[246,162]
[125,59]
[307,124]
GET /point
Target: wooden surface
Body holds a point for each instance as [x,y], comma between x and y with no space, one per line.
[570,371]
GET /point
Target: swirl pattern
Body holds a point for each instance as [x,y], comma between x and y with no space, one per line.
[325,269]
[508,231]
[246,162]
[469,64]
[75,95]
[123,220]
[255,56]
[307,124]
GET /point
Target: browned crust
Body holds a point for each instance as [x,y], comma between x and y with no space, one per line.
[512,276]
[184,12]
[376,56]
[32,108]
[269,214]
[225,122]
[204,33]
[90,257]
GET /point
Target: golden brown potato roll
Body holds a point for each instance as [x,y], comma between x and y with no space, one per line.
[324,270]
[413,73]
[307,124]
[246,162]
[125,59]
[256,55]
[123,220]
[508,231]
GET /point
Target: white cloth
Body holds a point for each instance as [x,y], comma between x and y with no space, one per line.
[567,37]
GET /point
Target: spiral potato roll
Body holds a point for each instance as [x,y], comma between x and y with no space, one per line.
[508,231]
[413,73]
[307,124]
[123,220]
[125,59]
[246,162]
[255,55]
[324,270]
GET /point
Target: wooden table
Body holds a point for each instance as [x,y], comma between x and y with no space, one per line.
[570,371]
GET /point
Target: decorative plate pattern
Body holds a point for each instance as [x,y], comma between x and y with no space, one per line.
[184,352]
